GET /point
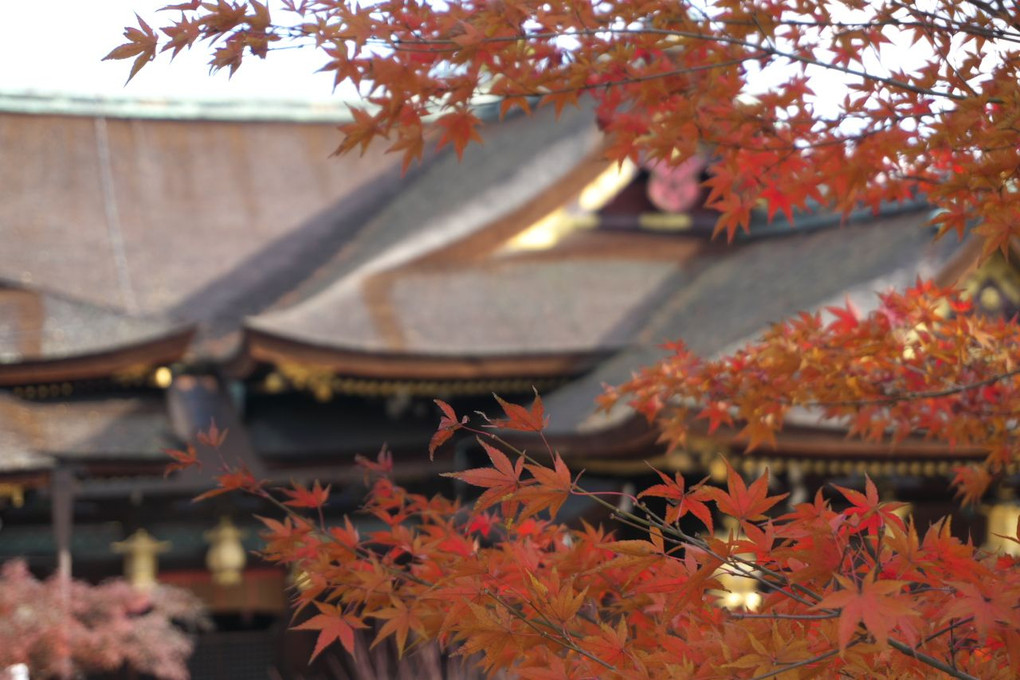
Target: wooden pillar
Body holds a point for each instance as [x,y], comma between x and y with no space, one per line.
[62,507]
[62,498]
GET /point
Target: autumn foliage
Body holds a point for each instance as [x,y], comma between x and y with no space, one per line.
[922,364]
[929,104]
[857,592]
[71,629]
[846,586]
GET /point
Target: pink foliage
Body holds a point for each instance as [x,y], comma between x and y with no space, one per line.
[69,628]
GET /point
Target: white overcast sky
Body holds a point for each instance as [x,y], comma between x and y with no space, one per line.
[57,46]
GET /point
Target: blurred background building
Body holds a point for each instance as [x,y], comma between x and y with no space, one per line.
[168,264]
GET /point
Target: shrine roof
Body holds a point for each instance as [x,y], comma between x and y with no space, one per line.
[34,435]
[188,220]
[491,309]
[738,292]
[47,337]
[378,297]
[350,265]
[34,102]
[440,289]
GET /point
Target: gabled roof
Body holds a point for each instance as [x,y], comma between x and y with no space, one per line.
[731,295]
[46,337]
[34,435]
[355,270]
[437,286]
[390,294]
[173,218]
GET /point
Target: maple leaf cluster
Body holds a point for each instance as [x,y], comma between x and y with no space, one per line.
[66,629]
[923,364]
[929,107]
[855,593]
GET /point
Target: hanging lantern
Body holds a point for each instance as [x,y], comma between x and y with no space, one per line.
[226,557]
[738,592]
[299,578]
[1003,518]
[141,553]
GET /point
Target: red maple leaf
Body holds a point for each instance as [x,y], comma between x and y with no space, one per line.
[501,481]
[448,424]
[382,465]
[682,501]
[519,418]
[332,625]
[877,604]
[740,501]
[235,479]
[302,497]
[990,610]
[184,459]
[717,413]
[847,319]
[778,200]
[213,437]
[553,486]
[870,515]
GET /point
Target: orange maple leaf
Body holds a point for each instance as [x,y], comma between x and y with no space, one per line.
[501,481]
[459,128]
[523,419]
[448,424]
[400,621]
[870,514]
[184,459]
[213,437]
[682,501]
[332,625]
[874,603]
[741,501]
[553,487]
[236,479]
[382,465]
[302,497]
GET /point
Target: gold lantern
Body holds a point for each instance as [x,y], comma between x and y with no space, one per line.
[141,553]
[739,591]
[226,557]
[1002,521]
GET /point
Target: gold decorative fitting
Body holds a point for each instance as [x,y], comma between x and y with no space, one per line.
[995,285]
[1002,524]
[739,591]
[299,578]
[14,493]
[135,374]
[226,557]
[905,511]
[163,377]
[43,391]
[274,383]
[324,384]
[140,552]
[665,221]
[545,232]
[717,469]
[990,299]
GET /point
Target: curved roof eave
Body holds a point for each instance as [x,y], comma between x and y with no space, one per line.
[166,348]
[267,347]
